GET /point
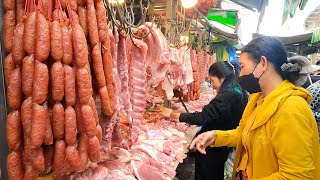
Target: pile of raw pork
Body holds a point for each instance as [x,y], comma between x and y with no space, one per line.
[160,144]
[195,106]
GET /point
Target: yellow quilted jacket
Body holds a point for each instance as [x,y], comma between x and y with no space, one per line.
[284,136]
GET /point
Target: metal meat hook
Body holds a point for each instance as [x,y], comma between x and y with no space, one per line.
[147,34]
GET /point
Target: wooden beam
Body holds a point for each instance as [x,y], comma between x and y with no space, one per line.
[171,14]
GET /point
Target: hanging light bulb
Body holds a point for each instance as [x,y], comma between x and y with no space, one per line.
[116,1]
[184,39]
[189,3]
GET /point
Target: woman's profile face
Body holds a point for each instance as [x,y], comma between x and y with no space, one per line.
[247,64]
[216,82]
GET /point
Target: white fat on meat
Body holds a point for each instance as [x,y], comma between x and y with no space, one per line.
[152,152]
[122,155]
[111,165]
[92,174]
[186,61]
[168,88]
[140,156]
[143,171]
[156,135]
[119,175]
[157,144]
[176,132]
[163,168]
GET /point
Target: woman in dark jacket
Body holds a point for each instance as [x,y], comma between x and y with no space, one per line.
[223,112]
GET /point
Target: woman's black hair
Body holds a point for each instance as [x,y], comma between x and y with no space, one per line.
[294,74]
[274,51]
[228,72]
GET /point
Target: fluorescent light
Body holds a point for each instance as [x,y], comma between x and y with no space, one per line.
[224,5]
[189,3]
[184,39]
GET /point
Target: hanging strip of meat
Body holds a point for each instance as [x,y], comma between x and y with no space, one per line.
[138,85]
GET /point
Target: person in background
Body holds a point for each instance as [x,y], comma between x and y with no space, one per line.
[314,88]
[304,76]
[277,137]
[318,64]
[311,77]
[223,112]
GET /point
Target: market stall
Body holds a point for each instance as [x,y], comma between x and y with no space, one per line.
[83,87]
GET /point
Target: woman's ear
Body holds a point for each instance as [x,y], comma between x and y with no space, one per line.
[221,80]
[264,63]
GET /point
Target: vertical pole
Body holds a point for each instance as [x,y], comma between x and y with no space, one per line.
[151,10]
[169,19]
[171,13]
[167,103]
[174,20]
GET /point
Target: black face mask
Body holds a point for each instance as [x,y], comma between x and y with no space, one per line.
[250,83]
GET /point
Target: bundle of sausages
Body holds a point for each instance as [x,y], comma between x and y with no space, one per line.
[13,37]
[54,122]
[193,89]
[201,63]
[101,54]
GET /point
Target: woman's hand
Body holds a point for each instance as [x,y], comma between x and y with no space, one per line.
[203,140]
[166,112]
[170,114]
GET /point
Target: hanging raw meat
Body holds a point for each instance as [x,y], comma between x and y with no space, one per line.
[61,131]
[124,77]
[137,85]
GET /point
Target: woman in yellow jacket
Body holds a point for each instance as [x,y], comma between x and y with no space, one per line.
[277,137]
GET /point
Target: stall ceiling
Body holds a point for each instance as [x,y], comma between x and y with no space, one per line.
[313,20]
[161,9]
